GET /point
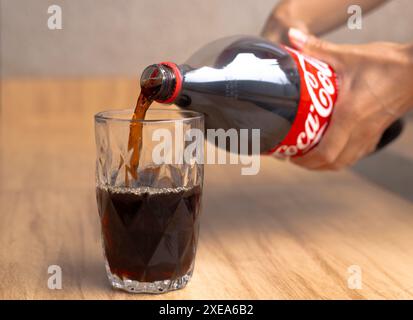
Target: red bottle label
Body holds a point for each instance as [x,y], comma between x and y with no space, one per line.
[318,94]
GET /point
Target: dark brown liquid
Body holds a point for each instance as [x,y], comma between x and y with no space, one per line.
[145,100]
[135,136]
[149,235]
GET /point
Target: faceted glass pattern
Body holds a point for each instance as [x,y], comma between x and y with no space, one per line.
[150,226]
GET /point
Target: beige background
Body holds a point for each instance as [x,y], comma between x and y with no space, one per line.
[119,37]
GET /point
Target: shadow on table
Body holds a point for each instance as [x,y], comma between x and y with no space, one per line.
[390,171]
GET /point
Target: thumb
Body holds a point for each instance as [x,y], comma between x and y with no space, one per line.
[313,46]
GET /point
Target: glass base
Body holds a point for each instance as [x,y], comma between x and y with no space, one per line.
[161,286]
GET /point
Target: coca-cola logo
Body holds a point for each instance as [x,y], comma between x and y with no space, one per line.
[318,95]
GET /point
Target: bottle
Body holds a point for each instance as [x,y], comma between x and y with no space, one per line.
[249,83]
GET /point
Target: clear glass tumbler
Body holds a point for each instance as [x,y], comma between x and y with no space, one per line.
[149,216]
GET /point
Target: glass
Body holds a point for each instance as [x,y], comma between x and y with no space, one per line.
[150,218]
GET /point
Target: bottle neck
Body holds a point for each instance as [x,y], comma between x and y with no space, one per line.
[161,82]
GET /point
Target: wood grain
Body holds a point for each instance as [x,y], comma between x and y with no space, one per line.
[285,233]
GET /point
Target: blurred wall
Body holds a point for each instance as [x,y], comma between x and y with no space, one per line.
[119,37]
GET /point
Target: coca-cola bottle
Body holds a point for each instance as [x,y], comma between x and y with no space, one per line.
[249,83]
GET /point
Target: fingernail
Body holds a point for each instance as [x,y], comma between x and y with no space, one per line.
[297,38]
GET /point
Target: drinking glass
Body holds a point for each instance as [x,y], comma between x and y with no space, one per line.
[149,216]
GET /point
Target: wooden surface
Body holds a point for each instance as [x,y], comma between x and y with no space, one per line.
[286,233]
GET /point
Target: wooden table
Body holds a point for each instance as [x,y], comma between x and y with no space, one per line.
[285,233]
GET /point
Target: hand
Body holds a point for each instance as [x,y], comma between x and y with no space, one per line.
[375,84]
[279,22]
[315,16]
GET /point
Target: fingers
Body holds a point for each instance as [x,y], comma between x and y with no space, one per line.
[269,31]
[275,30]
[334,140]
[298,38]
[338,134]
[330,147]
[352,152]
[315,47]
[361,142]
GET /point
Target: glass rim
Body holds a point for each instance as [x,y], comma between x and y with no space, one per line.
[113,115]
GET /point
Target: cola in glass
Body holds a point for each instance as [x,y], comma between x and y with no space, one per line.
[149,234]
